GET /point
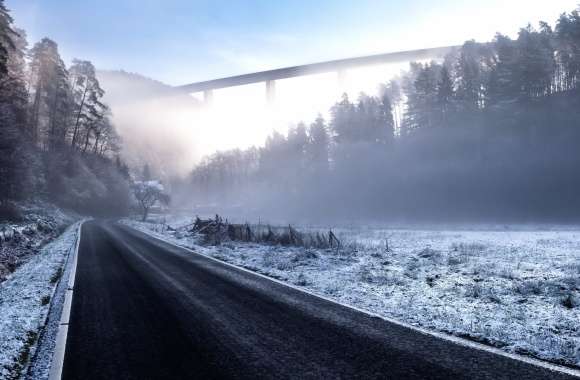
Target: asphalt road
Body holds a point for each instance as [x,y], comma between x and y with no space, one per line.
[144,309]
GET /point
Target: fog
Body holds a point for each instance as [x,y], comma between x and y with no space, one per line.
[154,123]
[489,134]
[173,132]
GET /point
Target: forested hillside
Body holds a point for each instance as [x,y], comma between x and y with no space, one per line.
[491,133]
[57,142]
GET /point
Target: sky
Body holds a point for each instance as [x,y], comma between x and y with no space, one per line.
[183,41]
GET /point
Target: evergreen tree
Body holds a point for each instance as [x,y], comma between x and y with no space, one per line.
[504,84]
[445,94]
[536,62]
[343,120]
[567,41]
[472,70]
[7,34]
[89,110]
[412,113]
[49,90]
[386,119]
[12,111]
[318,148]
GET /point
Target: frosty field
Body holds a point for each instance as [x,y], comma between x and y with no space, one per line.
[513,288]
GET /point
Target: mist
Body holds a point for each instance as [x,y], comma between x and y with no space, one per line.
[473,137]
[172,132]
[487,135]
[155,122]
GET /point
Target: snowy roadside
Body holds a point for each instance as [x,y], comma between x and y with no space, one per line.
[39,223]
[25,300]
[518,290]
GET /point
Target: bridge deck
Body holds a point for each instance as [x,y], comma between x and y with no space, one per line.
[318,68]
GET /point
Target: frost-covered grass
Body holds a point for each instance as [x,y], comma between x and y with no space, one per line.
[518,289]
[38,224]
[24,302]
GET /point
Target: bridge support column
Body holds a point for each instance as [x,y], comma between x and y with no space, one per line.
[341,77]
[271,91]
[208,97]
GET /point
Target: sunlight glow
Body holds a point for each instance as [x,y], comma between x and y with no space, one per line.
[240,117]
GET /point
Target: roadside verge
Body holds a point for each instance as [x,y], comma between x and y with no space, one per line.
[60,347]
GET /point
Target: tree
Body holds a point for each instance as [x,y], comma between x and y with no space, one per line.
[394,93]
[343,120]
[7,34]
[146,174]
[49,94]
[504,86]
[422,100]
[472,71]
[122,168]
[87,94]
[445,94]
[386,119]
[148,194]
[567,41]
[412,115]
[535,62]
[318,147]
[12,111]
[297,140]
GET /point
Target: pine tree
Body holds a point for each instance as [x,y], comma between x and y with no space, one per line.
[7,34]
[504,83]
[567,41]
[12,111]
[536,62]
[472,76]
[343,120]
[318,148]
[422,97]
[88,107]
[445,94]
[49,92]
[386,119]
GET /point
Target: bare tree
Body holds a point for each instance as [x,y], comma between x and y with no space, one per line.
[148,194]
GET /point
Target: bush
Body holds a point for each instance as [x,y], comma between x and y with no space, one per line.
[45,300]
[302,280]
[528,287]
[56,276]
[570,301]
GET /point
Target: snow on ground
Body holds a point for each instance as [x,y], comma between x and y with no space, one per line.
[517,289]
[40,222]
[24,302]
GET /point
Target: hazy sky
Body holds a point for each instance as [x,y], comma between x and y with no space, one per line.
[181,41]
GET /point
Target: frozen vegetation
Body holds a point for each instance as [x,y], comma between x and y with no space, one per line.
[513,288]
[26,294]
[36,225]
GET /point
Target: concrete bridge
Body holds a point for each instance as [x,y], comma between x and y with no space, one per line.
[339,66]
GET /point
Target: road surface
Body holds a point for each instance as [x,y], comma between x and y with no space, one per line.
[144,309]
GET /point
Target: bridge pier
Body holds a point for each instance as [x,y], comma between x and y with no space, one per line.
[341,77]
[208,97]
[271,91]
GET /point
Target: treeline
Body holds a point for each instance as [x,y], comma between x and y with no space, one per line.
[490,133]
[56,136]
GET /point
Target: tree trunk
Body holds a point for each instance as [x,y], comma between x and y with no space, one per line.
[74,138]
[87,141]
[97,137]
